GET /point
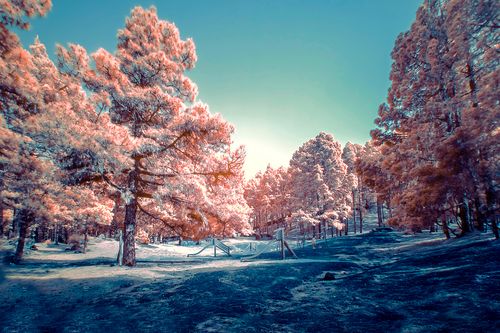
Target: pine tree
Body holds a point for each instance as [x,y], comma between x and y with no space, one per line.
[320,185]
[438,68]
[177,144]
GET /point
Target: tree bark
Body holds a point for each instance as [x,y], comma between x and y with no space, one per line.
[1,202]
[379,213]
[354,210]
[444,222]
[85,238]
[494,228]
[360,213]
[119,257]
[480,217]
[1,218]
[65,235]
[116,209]
[464,220]
[130,221]
[56,234]
[14,227]
[491,199]
[23,218]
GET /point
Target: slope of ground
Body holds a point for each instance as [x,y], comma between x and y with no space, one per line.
[385,282]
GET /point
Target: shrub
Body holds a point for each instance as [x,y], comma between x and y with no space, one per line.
[74,241]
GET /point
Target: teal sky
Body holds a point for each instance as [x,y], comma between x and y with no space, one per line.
[280,70]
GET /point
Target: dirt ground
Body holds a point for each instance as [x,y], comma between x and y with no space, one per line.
[384,282]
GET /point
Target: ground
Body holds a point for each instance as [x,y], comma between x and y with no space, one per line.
[384,282]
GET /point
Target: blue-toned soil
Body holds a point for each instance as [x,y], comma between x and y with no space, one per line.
[384,282]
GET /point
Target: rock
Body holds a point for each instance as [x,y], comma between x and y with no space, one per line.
[383,229]
[75,247]
[328,276]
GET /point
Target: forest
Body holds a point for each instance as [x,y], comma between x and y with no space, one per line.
[117,145]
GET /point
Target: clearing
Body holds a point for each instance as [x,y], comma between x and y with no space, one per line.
[384,282]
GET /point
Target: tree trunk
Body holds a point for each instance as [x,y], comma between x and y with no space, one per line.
[40,233]
[85,239]
[1,203]
[14,227]
[129,233]
[494,228]
[444,222]
[360,214]
[389,208]
[130,221]
[464,219]
[491,200]
[116,209]
[480,217]
[119,257]
[23,219]
[379,213]
[1,217]
[354,210]
[472,83]
[66,235]
[56,234]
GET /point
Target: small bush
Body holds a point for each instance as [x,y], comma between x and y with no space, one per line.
[75,242]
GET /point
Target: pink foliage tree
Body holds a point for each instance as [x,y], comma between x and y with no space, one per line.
[320,183]
[437,128]
[268,194]
[45,117]
[177,145]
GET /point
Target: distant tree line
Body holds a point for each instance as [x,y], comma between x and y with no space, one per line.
[318,193]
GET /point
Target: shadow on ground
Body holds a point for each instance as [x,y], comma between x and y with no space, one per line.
[380,286]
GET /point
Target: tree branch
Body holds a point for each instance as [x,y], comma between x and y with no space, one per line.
[157,218]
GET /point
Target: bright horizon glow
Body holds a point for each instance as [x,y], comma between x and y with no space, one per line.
[279,71]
